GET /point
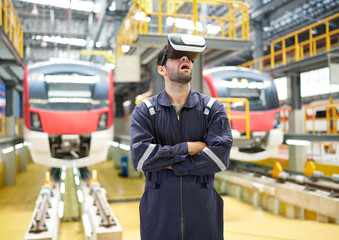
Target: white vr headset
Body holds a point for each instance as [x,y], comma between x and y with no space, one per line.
[183,45]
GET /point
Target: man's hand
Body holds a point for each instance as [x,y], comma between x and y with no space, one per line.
[195,147]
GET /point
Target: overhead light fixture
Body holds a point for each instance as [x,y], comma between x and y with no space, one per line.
[98,44]
[112,7]
[125,48]
[35,11]
[110,66]
[57,39]
[97,7]
[77,5]
[297,142]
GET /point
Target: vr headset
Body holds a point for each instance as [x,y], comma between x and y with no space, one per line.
[183,45]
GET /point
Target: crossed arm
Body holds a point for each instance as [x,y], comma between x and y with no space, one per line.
[196,158]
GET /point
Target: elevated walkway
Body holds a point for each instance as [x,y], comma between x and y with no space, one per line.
[11,44]
[302,50]
[147,24]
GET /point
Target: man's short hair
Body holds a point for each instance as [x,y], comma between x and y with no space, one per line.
[160,54]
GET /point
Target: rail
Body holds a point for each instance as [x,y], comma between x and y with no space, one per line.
[331,117]
[12,28]
[316,117]
[231,116]
[147,16]
[290,48]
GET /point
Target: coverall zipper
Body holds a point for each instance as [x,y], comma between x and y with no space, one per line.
[181,202]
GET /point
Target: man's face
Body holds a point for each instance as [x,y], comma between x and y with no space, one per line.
[179,70]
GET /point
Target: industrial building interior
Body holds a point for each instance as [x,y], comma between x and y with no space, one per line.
[286,190]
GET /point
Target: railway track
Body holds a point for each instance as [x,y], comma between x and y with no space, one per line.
[88,204]
[311,183]
[288,193]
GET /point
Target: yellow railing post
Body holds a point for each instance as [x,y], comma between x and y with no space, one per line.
[272,55]
[313,120]
[195,16]
[305,122]
[160,17]
[135,27]
[0,12]
[311,41]
[328,39]
[229,20]
[5,17]
[296,46]
[231,116]
[10,35]
[284,52]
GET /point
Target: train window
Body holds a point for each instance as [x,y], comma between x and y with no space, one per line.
[100,91]
[37,90]
[320,114]
[253,90]
[71,92]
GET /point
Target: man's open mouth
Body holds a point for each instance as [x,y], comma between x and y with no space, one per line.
[185,66]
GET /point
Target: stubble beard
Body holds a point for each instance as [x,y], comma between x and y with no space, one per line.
[180,77]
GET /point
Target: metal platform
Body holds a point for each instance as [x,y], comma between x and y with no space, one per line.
[11,46]
[321,60]
[217,48]
[313,137]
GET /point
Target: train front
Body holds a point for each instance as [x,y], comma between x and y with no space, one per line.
[264,109]
[68,113]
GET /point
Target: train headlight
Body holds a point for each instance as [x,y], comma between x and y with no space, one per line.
[276,123]
[35,122]
[102,121]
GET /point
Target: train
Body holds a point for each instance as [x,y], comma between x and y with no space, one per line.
[264,131]
[68,112]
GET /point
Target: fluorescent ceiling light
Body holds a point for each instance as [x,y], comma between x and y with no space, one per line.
[57,39]
[97,7]
[78,5]
[113,6]
[125,48]
[82,5]
[297,142]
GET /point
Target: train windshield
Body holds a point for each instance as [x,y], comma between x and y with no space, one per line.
[68,92]
[259,93]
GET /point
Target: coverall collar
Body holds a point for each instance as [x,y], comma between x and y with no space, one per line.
[191,100]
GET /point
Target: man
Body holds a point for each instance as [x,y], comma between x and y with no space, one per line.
[180,139]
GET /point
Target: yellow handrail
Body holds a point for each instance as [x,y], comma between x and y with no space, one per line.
[18,127]
[12,26]
[246,117]
[3,125]
[284,116]
[300,49]
[234,25]
[331,117]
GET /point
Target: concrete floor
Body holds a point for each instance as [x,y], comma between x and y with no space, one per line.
[241,221]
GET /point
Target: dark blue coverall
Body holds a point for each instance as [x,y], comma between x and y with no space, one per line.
[180,203]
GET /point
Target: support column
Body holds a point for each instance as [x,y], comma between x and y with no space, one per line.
[297,154]
[158,81]
[258,31]
[10,118]
[8,155]
[23,158]
[197,73]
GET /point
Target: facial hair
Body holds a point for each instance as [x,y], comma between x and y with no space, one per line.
[179,77]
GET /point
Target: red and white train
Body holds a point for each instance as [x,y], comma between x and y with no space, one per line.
[264,109]
[68,113]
